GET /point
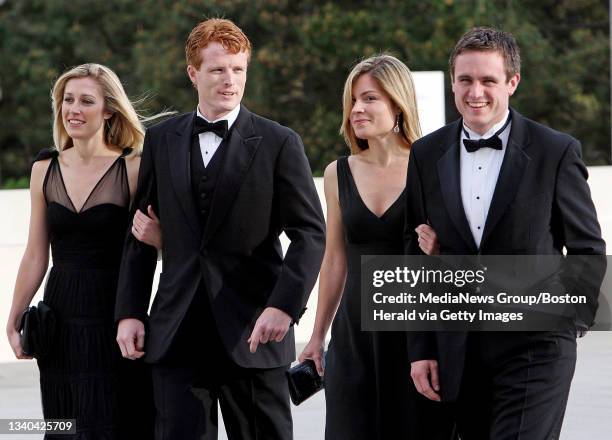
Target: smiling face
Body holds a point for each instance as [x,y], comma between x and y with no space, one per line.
[83,110]
[220,80]
[373,114]
[482,90]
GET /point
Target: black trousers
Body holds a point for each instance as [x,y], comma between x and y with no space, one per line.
[254,405]
[197,374]
[515,385]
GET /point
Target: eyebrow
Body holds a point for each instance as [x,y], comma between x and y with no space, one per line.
[483,78]
[369,91]
[224,66]
[86,94]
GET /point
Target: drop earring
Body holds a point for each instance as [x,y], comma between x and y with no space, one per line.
[396,129]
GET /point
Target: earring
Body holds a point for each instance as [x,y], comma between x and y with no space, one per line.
[396,129]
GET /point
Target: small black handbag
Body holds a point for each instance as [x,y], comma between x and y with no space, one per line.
[304,381]
[37,327]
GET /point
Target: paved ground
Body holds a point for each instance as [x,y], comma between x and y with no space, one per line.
[589,412]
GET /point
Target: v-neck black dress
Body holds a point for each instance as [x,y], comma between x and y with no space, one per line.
[84,377]
[368,390]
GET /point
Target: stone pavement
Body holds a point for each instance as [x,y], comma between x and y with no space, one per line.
[588,416]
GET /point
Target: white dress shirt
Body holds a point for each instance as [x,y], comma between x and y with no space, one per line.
[479,173]
[209,141]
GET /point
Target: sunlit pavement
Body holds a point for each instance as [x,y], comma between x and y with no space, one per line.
[588,416]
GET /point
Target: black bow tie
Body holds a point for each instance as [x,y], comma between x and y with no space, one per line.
[475,145]
[202,126]
[493,142]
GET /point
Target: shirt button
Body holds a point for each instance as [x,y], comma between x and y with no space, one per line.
[477,197]
[203,211]
[480,168]
[478,227]
[204,178]
[203,195]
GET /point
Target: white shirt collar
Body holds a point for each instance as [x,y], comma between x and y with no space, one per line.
[490,132]
[230,117]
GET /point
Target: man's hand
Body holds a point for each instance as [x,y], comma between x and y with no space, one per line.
[131,337]
[272,325]
[422,372]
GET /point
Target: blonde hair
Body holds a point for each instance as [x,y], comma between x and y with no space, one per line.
[395,79]
[123,128]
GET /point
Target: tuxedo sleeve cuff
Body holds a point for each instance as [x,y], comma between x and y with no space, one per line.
[421,346]
[142,317]
[289,309]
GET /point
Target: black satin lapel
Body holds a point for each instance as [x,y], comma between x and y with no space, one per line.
[510,175]
[450,186]
[179,147]
[239,154]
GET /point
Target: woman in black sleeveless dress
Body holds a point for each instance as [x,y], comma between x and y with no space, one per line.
[368,390]
[81,194]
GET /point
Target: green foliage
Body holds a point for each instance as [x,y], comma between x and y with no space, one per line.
[303,52]
[12,183]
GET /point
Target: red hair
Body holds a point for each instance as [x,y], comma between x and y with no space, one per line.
[219,30]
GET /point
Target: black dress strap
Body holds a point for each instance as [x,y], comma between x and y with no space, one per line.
[344,182]
[46,153]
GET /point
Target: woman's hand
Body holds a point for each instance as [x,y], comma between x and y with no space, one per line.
[14,339]
[428,240]
[146,228]
[314,351]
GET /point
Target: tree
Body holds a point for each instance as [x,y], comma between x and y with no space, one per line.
[303,52]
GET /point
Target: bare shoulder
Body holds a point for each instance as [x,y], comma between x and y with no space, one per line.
[331,171]
[39,170]
[330,180]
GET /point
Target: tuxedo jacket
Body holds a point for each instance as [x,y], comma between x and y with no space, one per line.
[265,187]
[541,204]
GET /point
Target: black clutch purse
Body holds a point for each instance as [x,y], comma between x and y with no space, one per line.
[37,327]
[304,381]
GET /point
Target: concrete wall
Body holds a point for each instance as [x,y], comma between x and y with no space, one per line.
[14,218]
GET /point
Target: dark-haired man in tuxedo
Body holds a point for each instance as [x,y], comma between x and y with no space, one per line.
[497,183]
[225,183]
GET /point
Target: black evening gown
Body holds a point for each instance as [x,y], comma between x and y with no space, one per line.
[368,390]
[84,377]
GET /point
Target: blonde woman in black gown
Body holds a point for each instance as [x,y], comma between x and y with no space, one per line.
[80,196]
[368,390]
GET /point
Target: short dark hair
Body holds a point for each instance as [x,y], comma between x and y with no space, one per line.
[489,39]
